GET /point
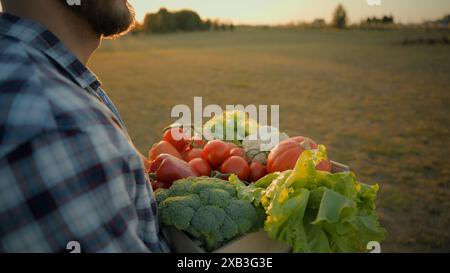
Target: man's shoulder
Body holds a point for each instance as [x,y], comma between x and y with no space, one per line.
[17,55]
[32,84]
[22,85]
[20,65]
[25,109]
[37,96]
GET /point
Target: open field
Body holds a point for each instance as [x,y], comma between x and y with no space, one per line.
[381,108]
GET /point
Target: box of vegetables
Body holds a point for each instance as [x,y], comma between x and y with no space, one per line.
[229,196]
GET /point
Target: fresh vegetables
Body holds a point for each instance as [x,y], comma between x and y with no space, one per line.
[232,126]
[222,158]
[293,194]
[191,153]
[316,211]
[257,171]
[168,168]
[163,147]
[236,165]
[209,210]
[231,145]
[238,152]
[284,156]
[200,167]
[258,145]
[324,165]
[216,152]
[177,137]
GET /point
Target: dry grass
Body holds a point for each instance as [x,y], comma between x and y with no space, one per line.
[381,108]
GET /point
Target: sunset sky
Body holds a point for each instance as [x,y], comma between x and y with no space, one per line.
[283,11]
[286,11]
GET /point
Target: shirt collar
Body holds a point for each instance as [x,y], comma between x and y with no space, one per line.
[42,39]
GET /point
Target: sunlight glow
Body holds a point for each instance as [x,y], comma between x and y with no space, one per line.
[285,11]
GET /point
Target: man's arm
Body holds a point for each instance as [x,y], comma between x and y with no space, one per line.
[71,186]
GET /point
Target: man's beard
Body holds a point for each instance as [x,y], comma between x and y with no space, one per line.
[108,18]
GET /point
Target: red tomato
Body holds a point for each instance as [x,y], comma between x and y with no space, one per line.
[215,152]
[236,165]
[237,152]
[200,167]
[177,137]
[163,147]
[231,145]
[257,171]
[191,153]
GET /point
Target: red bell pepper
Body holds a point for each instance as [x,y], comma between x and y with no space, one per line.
[167,168]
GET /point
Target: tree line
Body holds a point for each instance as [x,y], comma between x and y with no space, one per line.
[165,21]
[340,20]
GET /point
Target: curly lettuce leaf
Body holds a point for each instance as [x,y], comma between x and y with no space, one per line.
[316,211]
[248,193]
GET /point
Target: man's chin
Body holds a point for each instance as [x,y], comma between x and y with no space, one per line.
[108,18]
[118,22]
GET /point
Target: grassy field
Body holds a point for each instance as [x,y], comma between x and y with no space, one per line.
[381,108]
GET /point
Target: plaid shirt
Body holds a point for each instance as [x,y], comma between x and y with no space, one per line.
[68,170]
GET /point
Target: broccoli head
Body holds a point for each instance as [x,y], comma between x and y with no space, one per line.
[208,209]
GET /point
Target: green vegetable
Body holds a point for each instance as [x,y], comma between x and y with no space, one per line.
[315,211]
[211,210]
[231,126]
[258,145]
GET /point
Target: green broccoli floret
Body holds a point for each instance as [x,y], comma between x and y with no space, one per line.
[178,210]
[161,195]
[216,197]
[208,209]
[229,228]
[243,214]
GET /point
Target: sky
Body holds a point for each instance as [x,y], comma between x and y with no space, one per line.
[288,11]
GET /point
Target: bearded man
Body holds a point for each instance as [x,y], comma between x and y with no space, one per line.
[69,174]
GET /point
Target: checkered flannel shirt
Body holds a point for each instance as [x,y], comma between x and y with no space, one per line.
[68,170]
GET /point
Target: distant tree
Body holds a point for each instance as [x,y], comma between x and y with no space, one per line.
[187,20]
[378,23]
[340,17]
[215,25]
[444,20]
[165,21]
[161,22]
[207,25]
[149,22]
[318,23]
[387,19]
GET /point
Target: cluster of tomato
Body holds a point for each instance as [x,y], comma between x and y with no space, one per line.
[178,156]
